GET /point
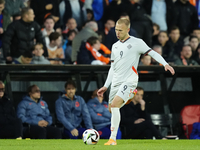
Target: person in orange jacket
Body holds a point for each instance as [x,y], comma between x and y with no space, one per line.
[93,52]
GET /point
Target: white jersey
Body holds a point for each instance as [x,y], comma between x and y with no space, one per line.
[125,58]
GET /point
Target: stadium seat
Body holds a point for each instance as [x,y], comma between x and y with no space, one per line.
[162,121]
[189,115]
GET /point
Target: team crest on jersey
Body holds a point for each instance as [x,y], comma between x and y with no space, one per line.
[129,46]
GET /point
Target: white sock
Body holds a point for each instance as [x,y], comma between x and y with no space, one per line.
[115,119]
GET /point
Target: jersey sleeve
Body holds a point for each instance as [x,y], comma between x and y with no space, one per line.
[143,47]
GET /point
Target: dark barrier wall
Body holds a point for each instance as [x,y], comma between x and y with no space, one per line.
[164,93]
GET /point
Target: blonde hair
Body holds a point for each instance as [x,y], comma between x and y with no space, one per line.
[124,21]
[40,44]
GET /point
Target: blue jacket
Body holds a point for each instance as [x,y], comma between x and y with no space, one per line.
[31,112]
[71,112]
[99,113]
[195,134]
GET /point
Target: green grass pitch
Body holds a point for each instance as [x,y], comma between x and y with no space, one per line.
[79,145]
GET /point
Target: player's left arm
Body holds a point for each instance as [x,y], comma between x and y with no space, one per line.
[161,60]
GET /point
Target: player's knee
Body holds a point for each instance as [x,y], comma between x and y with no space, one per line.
[113,105]
[116,104]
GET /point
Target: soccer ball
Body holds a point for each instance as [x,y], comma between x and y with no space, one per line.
[90,137]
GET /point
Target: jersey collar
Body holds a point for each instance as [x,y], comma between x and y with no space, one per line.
[125,39]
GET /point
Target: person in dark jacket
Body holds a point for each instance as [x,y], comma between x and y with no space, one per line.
[141,22]
[136,120]
[10,125]
[19,36]
[71,110]
[113,10]
[43,8]
[34,111]
[100,115]
[186,57]
[186,17]
[173,46]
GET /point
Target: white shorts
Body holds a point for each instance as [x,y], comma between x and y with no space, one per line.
[125,91]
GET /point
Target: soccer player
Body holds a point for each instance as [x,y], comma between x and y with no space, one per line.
[123,74]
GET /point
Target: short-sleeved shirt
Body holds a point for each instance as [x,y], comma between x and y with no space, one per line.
[126,56]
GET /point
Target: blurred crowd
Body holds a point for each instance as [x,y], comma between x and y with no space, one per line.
[83,31]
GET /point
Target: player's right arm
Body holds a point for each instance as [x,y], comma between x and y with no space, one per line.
[107,83]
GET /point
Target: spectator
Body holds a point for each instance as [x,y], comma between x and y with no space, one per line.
[10,125]
[90,53]
[194,43]
[175,44]
[88,31]
[19,36]
[34,111]
[70,25]
[54,49]
[25,58]
[48,28]
[156,31]
[111,37]
[90,15]
[196,32]
[161,12]
[186,57]
[13,7]
[163,38]
[100,115]
[4,22]
[197,55]
[43,8]
[136,120]
[158,49]
[186,17]
[73,9]
[71,109]
[107,26]
[145,60]
[67,46]
[38,57]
